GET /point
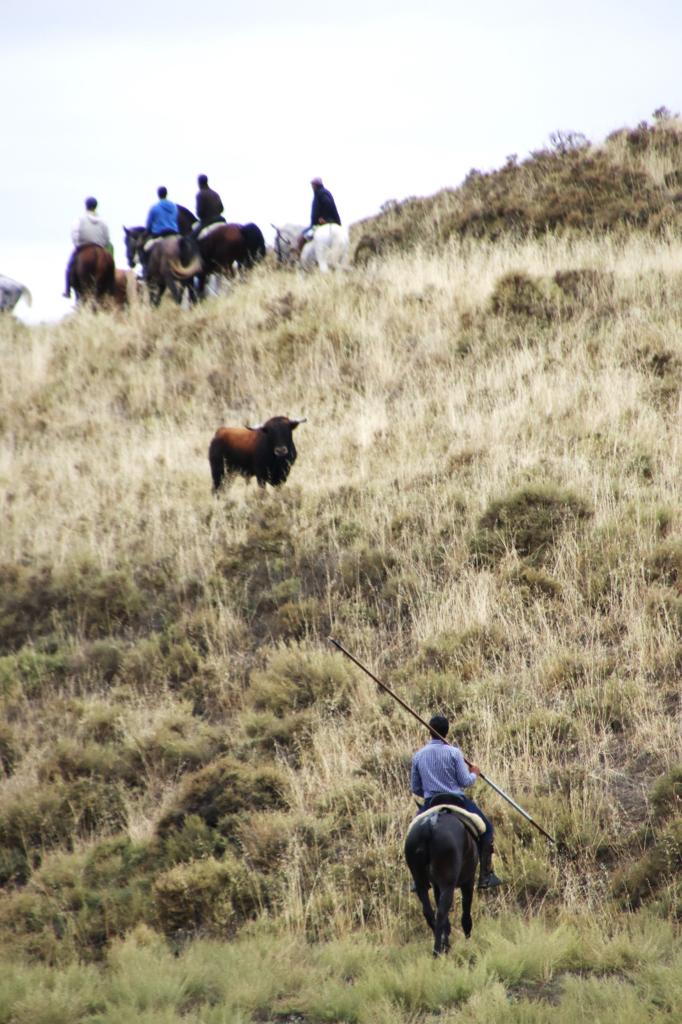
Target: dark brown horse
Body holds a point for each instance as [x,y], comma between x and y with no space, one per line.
[441,852]
[221,248]
[92,274]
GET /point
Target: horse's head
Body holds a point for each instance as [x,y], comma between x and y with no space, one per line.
[134,239]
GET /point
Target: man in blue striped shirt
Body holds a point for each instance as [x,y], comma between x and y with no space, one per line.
[440,775]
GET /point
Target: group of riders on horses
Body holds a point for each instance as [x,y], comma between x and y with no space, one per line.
[162,220]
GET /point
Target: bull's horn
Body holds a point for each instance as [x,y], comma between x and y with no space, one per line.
[295,423]
[257,427]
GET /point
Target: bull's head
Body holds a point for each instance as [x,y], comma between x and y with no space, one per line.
[278,428]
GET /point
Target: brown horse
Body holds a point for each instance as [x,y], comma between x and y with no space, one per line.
[126,288]
[220,249]
[92,274]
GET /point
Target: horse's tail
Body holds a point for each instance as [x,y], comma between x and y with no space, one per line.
[188,263]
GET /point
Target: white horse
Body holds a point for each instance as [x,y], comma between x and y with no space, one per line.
[328,248]
[287,242]
[10,293]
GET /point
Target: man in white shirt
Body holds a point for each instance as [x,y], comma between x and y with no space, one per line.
[90,229]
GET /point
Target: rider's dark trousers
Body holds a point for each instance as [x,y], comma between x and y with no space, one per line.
[485,843]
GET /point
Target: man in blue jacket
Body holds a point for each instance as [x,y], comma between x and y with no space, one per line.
[162,218]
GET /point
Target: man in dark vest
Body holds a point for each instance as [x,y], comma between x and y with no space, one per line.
[323,210]
[209,205]
[440,775]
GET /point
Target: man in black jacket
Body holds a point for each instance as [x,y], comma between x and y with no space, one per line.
[209,205]
[324,208]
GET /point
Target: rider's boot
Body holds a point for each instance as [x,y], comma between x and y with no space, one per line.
[487,879]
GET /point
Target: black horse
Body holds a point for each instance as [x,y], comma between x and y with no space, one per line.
[441,852]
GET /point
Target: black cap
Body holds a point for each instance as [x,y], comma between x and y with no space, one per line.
[162,191]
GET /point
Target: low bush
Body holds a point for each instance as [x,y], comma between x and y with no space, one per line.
[529,522]
[517,296]
[208,896]
[641,880]
[29,673]
[298,676]
[222,789]
[33,601]
[55,814]
[535,584]
[269,731]
[9,749]
[666,794]
[664,564]
[467,653]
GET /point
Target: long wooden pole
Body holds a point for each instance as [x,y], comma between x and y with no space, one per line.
[411,711]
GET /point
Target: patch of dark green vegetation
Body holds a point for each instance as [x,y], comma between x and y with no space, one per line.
[528,522]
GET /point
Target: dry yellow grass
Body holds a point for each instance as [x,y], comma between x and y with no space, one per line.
[560,669]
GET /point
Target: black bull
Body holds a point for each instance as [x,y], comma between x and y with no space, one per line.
[440,852]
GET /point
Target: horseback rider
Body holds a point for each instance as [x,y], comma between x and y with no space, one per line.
[323,211]
[162,220]
[90,229]
[440,775]
[209,206]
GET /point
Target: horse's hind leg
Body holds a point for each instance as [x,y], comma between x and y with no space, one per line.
[467,897]
[421,884]
[442,931]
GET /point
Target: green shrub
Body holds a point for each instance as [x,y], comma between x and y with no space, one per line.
[225,788]
[30,673]
[297,676]
[209,896]
[666,794]
[468,653]
[101,722]
[268,731]
[365,568]
[33,602]
[75,759]
[665,606]
[543,730]
[528,521]
[518,297]
[9,749]
[637,883]
[264,837]
[181,743]
[52,815]
[534,584]
[664,564]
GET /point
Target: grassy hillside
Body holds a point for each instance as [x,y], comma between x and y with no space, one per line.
[202,804]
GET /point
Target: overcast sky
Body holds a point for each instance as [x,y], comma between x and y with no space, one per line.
[382,98]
